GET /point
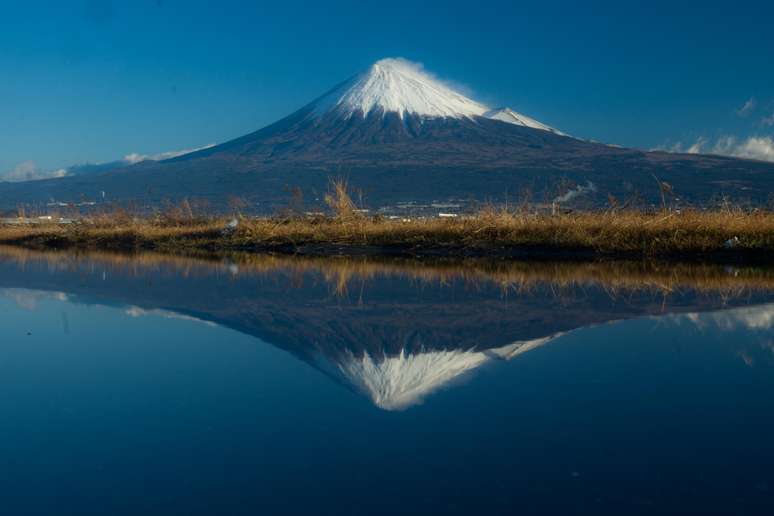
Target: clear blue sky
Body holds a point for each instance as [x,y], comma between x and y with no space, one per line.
[94,80]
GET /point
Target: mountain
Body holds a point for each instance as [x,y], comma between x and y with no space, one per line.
[398,333]
[401,136]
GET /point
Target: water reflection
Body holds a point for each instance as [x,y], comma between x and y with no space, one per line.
[397,331]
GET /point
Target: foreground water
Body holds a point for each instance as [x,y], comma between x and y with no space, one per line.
[286,386]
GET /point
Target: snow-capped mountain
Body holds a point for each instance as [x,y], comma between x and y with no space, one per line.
[403,335]
[401,381]
[406,89]
[400,135]
[397,86]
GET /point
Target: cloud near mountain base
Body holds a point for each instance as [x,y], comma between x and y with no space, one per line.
[754,147]
[135,157]
[29,171]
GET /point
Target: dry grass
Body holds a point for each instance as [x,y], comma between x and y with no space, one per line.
[493,232]
[635,232]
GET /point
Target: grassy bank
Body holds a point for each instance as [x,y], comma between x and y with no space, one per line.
[727,234]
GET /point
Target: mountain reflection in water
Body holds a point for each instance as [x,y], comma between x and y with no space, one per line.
[397,331]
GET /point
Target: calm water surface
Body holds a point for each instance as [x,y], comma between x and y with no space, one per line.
[153,385]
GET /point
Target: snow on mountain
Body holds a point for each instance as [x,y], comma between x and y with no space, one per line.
[398,382]
[402,87]
[399,86]
[512,117]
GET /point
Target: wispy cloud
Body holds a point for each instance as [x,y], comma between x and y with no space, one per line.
[29,299]
[697,147]
[753,147]
[747,108]
[29,171]
[135,157]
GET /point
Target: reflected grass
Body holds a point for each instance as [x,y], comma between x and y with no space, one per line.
[616,277]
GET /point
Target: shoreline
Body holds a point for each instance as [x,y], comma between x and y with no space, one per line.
[718,237]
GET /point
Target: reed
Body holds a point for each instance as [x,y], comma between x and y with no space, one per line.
[491,231]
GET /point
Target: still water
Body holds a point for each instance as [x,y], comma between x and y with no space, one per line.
[262,385]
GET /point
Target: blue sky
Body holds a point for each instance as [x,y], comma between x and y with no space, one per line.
[95,80]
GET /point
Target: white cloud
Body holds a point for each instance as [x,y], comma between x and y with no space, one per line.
[754,147]
[697,147]
[768,121]
[29,171]
[748,107]
[135,157]
[751,318]
[29,299]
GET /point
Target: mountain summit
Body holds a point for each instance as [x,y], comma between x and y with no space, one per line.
[397,86]
[402,136]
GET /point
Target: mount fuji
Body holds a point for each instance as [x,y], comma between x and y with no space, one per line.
[400,136]
[399,335]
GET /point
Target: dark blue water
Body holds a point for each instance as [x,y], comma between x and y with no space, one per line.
[197,388]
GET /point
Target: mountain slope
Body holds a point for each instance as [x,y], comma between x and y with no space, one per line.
[401,136]
[508,115]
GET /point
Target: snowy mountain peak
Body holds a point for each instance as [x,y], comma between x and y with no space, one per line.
[510,116]
[398,382]
[398,86]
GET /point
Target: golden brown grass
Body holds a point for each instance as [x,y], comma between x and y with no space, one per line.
[489,232]
[603,232]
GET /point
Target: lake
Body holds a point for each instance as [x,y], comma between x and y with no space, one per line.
[152,384]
